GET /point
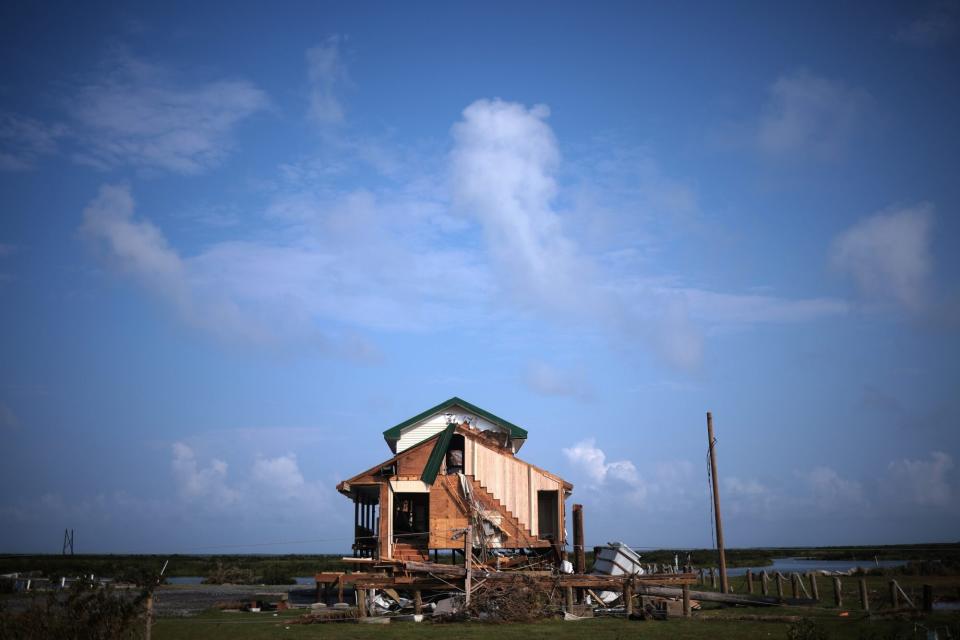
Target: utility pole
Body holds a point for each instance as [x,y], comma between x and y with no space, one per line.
[724,585]
[68,542]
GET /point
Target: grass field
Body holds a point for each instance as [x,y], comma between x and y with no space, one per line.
[727,623]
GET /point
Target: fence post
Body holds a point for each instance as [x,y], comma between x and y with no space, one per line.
[628,597]
[417,602]
[686,601]
[779,585]
[149,631]
[713,578]
[837,593]
[569,598]
[794,584]
[814,590]
[864,598]
[764,586]
[749,581]
[894,596]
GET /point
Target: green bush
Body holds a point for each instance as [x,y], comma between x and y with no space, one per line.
[83,612]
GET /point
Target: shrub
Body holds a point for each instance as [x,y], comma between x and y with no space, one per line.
[229,575]
[83,612]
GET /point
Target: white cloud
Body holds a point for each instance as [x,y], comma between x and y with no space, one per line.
[503,165]
[831,492]
[339,262]
[663,486]
[586,456]
[806,112]
[921,482]
[325,72]
[23,141]
[196,483]
[138,115]
[745,309]
[937,26]
[548,380]
[619,474]
[330,262]
[888,255]
[747,497]
[281,473]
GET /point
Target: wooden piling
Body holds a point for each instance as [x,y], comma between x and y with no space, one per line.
[362,603]
[569,598]
[579,556]
[749,581]
[628,597]
[795,584]
[779,585]
[713,578]
[894,596]
[764,583]
[864,597]
[686,601]
[814,589]
[837,592]
[417,602]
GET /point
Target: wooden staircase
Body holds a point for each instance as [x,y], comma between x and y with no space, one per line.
[411,551]
[520,535]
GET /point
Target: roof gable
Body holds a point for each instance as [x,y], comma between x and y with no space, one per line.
[393,434]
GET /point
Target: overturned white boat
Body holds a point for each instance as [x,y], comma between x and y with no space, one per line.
[616,559]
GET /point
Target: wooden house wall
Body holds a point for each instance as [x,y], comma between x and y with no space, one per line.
[446,513]
[435,424]
[512,481]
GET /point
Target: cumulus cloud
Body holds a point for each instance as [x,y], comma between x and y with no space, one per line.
[830,491]
[547,380]
[747,496]
[338,270]
[888,255]
[138,114]
[503,165]
[806,112]
[921,482]
[325,72]
[268,488]
[586,456]
[334,262]
[195,482]
[24,140]
[281,473]
[937,26]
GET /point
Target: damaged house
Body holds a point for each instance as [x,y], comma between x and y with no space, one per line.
[455,465]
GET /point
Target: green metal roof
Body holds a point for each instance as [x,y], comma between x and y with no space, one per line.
[393,433]
[432,468]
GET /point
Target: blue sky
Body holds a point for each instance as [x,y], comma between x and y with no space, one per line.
[238,242]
